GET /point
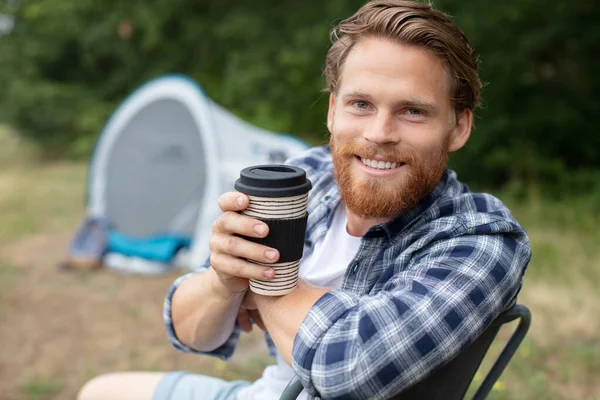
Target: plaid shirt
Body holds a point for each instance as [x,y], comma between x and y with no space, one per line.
[420,288]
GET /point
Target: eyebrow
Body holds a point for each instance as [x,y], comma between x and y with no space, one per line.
[412,102]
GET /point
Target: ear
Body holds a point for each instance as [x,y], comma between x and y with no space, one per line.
[330,112]
[461,131]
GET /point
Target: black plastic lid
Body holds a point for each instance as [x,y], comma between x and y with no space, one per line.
[273,181]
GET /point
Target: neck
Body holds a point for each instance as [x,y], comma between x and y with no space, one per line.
[358,226]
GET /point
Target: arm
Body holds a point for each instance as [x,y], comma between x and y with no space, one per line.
[374,346]
[191,302]
[201,309]
[204,312]
[182,331]
[283,315]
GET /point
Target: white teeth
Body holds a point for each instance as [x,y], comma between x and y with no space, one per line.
[379,164]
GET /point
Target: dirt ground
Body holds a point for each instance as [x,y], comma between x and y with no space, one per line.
[60,328]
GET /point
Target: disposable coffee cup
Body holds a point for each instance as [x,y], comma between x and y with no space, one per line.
[279,197]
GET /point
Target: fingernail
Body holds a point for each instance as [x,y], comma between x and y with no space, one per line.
[239,201]
[259,229]
[269,273]
[271,254]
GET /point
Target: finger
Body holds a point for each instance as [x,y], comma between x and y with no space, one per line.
[244,321]
[233,201]
[224,264]
[257,318]
[239,247]
[233,223]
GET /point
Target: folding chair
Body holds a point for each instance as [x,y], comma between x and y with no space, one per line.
[451,381]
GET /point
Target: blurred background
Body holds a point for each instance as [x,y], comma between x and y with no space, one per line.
[66,65]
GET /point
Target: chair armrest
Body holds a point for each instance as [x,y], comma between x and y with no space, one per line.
[516,312]
[292,390]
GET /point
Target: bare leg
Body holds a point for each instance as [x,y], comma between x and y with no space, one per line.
[121,386]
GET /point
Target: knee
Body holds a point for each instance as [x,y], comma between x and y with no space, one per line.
[121,386]
[95,388]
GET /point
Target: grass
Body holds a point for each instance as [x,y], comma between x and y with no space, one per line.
[67,327]
[35,197]
[9,277]
[39,389]
[559,358]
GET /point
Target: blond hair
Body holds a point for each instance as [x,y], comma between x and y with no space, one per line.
[416,24]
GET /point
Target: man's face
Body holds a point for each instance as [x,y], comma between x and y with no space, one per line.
[392,126]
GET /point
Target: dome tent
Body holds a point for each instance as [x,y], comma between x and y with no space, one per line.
[160,164]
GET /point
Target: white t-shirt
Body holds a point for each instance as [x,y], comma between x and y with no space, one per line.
[324,266]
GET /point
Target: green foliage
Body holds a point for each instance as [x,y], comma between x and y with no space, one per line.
[66,65]
[540,115]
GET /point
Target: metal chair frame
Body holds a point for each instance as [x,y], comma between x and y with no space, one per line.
[474,353]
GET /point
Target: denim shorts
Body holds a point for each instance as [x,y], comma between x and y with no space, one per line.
[180,385]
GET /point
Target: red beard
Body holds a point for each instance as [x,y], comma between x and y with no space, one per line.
[386,198]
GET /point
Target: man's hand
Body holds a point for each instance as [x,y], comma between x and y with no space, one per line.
[205,307]
[248,310]
[229,251]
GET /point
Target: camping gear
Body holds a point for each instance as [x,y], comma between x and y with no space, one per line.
[89,244]
[159,166]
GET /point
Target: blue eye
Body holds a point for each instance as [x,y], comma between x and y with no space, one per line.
[415,112]
[361,105]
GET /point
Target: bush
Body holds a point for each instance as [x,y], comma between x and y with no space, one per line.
[66,65]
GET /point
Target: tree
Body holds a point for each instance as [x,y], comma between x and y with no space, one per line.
[66,65]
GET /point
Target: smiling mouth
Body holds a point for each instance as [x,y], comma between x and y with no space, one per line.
[379,164]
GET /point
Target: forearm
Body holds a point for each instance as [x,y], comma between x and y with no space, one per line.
[283,315]
[203,312]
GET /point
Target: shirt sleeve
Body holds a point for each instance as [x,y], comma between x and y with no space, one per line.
[224,352]
[312,161]
[374,346]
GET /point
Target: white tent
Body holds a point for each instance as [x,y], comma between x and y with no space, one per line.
[163,159]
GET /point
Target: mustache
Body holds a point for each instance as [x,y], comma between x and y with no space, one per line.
[392,154]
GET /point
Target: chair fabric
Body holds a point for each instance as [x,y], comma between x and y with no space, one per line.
[451,381]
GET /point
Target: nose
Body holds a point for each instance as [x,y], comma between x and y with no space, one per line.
[382,129]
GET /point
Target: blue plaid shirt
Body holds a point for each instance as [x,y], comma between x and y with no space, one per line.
[420,288]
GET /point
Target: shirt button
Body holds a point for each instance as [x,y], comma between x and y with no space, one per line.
[308,243]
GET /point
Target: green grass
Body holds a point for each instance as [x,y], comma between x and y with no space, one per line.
[13,151]
[9,277]
[36,197]
[40,389]
[560,358]
[564,237]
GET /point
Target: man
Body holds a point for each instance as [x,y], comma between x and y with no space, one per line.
[403,265]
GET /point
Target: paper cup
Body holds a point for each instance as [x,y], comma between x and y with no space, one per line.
[285,280]
[279,197]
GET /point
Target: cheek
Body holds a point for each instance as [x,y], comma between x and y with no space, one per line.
[426,139]
[347,126]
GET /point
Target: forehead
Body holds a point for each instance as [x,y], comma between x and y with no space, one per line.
[391,69]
